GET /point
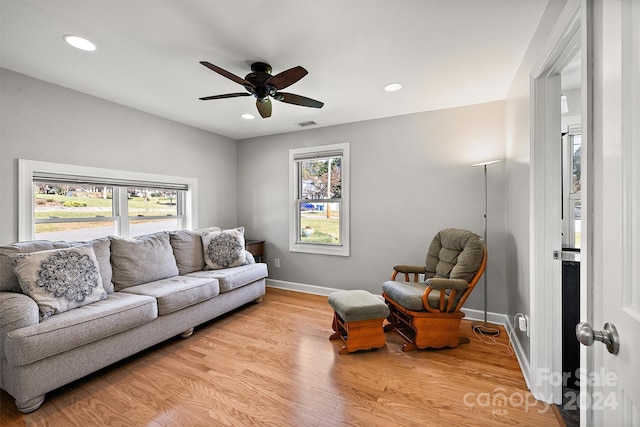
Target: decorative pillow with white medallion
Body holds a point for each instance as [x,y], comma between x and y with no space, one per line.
[61,279]
[224,249]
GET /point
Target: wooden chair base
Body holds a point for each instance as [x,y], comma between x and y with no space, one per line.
[362,335]
[422,329]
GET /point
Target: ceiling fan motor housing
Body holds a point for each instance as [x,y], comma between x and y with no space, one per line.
[261,72]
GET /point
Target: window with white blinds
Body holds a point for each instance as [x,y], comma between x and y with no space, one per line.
[77,203]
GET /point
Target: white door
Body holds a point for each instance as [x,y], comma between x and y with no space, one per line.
[612,395]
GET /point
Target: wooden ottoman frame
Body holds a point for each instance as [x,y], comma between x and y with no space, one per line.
[357,335]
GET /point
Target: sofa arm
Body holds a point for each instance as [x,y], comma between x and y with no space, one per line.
[249,258]
[16,311]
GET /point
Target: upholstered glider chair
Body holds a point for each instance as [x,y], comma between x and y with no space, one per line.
[427,314]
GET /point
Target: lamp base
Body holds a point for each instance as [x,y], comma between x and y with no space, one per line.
[485,328]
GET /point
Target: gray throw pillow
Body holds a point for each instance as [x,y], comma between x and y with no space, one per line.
[59,280]
[102,249]
[142,259]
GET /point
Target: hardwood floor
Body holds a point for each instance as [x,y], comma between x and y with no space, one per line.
[272,364]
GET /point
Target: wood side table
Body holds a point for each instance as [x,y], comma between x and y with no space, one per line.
[255,248]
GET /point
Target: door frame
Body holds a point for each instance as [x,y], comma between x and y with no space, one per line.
[572,33]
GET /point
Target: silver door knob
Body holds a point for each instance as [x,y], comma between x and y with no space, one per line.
[609,336]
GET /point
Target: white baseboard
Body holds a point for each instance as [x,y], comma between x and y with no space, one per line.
[470,314]
[301,287]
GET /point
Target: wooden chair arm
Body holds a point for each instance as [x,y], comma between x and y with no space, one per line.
[443,284]
[416,270]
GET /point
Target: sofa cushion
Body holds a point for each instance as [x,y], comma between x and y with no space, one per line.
[102,249]
[63,332]
[8,279]
[176,293]
[187,249]
[142,259]
[224,249]
[409,294]
[60,279]
[232,278]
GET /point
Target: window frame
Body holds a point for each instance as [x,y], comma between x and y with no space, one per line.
[26,208]
[295,183]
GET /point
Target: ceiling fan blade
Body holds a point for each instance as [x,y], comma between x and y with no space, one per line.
[287,78]
[264,107]
[227,74]
[226,95]
[291,98]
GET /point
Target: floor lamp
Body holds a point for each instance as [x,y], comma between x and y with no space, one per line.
[483,327]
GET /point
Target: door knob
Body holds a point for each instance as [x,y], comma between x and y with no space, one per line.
[609,336]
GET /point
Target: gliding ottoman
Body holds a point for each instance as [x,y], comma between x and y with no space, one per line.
[357,320]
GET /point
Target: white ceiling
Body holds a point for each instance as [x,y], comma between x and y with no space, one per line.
[446,53]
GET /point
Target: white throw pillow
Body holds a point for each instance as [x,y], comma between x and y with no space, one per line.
[223,249]
[61,279]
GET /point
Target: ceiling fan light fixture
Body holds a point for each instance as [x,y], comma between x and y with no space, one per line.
[392,87]
[79,42]
[247,116]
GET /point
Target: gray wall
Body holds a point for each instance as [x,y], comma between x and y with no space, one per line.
[518,171]
[410,177]
[46,122]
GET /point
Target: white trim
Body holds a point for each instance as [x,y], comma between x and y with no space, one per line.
[545,281]
[25,189]
[301,287]
[344,248]
[520,355]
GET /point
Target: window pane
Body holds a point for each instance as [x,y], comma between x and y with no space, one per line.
[59,202]
[74,231]
[151,202]
[317,182]
[65,201]
[146,226]
[320,223]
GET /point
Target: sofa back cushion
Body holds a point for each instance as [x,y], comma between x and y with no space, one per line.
[142,259]
[187,248]
[8,279]
[59,280]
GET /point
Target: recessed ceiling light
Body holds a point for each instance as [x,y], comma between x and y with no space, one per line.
[392,87]
[248,116]
[79,42]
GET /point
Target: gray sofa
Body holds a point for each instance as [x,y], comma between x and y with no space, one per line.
[150,289]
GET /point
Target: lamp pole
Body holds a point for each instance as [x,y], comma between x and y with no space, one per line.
[483,327]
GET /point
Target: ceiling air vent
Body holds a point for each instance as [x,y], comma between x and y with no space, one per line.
[305,124]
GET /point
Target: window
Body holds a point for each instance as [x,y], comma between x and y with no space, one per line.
[67,202]
[571,186]
[319,218]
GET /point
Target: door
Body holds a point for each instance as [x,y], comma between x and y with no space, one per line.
[612,392]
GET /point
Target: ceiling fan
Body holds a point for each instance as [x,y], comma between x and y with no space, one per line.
[262,85]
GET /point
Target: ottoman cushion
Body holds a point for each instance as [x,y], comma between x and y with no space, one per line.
[357,305]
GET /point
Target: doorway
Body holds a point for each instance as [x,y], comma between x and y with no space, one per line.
[571,184]
[559,95]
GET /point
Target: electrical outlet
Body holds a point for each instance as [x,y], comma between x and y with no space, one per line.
[522,323]
[276,263]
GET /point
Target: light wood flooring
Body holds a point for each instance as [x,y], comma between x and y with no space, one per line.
[272,364]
